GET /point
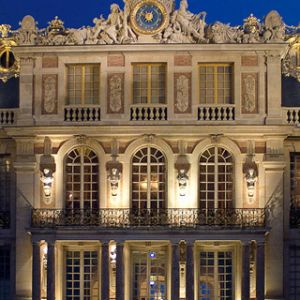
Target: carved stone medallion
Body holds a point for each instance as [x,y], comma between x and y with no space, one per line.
[115,93]
[182,93]
[249,93]
[49,102]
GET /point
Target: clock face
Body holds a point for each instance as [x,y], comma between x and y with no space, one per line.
[149,17]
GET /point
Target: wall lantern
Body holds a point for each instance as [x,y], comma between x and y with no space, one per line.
[182,166]
[114,171]
[250,171]
[251,178]
[47,180]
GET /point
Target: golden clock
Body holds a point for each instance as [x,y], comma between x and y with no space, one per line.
[149,17]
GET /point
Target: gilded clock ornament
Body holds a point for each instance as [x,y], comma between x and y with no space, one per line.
[149,17]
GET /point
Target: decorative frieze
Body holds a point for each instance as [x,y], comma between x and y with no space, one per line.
[249,93]
[250,61]
[49,62]
[116,60]
[183,93]
[182,60]
[115,93]
[49,92]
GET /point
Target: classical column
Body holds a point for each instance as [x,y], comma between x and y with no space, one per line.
[105,271]
[246,271]
[260,271]
[175,272]
[189,280]
[51,271]
[119,272]
[36,271]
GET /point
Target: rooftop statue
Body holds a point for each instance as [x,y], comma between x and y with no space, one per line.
[158,18]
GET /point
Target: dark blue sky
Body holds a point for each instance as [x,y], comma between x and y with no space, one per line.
[77,13]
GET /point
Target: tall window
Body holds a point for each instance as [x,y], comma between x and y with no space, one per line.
[149,275]
[216,179]
[294,273]
[295,179]
[4,272]
[149,83]
[81,274]
[82,179]
[216,84]
[216,275]
[82,84]
[148,179]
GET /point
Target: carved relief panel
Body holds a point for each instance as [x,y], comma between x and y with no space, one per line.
[115,93]
[249,93]
[182,93]
[49,94]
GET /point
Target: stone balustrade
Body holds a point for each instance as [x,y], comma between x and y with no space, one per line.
[291,115]
[82,114]
[8,116]
[148,112]
[216,112]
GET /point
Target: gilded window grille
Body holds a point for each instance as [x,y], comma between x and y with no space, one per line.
[149,83]
[83,84]
[216,83]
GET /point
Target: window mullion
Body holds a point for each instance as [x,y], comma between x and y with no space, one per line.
[149,85]
[82,85]
[81,177]
[216,84]
[216,177]
[148,178]
[81,275]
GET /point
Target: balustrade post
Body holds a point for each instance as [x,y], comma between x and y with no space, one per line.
[105,271]
[175,272]
[189,279]
[120,272]
[36,271]
[51,271]
[246,271]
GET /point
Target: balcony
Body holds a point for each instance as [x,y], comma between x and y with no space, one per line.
[4,219]
[144,218]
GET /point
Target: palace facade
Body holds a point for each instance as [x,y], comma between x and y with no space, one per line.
[150,156]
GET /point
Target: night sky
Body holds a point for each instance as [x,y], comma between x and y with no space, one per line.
[77,13]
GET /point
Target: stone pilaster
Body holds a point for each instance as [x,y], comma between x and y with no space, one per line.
[105,271]
[51,271]
[175,272]
[36,271]
[246,271]
[120,272]
[26,91]
[260,271]
[189,271]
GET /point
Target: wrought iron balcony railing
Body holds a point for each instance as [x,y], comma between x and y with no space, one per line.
[295,217]
[4,219]
[142,218]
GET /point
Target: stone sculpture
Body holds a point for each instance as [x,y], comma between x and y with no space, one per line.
[184,27]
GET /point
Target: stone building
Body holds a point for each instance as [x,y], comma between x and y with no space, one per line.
[151,156]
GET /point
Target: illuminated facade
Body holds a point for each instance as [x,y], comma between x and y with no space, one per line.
[151,156]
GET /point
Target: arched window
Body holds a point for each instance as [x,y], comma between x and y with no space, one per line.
[82,179]
[216,179]
[148,179]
